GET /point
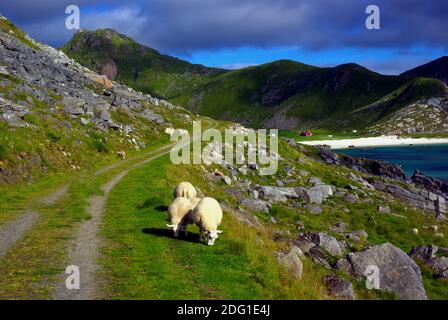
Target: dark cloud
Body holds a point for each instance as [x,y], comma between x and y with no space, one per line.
[183,26]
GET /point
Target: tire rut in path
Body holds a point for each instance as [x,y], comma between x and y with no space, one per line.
[83,252]
[118,164]
[54,197]
[14,230]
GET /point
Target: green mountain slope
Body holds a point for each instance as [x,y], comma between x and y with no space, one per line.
[282,94]
[287,94]
[121,58]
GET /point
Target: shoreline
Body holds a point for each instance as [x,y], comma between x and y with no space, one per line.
[382,141]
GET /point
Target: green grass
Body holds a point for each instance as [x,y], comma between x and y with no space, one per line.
[99,143]
[141,259]
[427,135]
[2,152]
[317,97]
[14,199]
[49,146]
[395,228]
[436,288]
[31,269]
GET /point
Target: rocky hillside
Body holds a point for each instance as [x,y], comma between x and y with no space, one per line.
[307,232]
[344,214]
[424,116]
[403,111]
[282,94]
[58,114]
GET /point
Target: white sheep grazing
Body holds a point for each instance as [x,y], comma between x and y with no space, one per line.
[207,215]
[186,190]
[195,202]
[179,215]
[434,228]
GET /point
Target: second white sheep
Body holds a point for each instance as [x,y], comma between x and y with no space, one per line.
[207,215]
[186,190]
[179,215]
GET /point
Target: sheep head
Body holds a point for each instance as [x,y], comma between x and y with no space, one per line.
[211,236]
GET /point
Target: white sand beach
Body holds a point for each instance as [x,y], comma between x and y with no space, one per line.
[375,142]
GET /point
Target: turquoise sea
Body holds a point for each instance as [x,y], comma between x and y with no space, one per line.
[432,160]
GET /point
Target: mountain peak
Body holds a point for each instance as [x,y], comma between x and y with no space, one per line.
[437,69]
[121,58]
[351,67]
[108,33]
[101,39]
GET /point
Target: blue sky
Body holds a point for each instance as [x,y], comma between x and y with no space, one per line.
[386,61]
[239,33]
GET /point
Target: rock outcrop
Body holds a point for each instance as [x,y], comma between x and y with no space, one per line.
[425,193]
[45,91]
[397,271]
[291,261]
[47,72]
[429,183]
[427,254]
[374,167]
[339,287]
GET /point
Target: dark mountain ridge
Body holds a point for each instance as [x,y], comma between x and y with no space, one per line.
[437,69]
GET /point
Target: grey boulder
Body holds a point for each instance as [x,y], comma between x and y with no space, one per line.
[292,263]
[314,208]
[314,196]
[425,253]
[397,271]
[439,266]
[384,209]
[328,243]
[339,287]
[276,194]
[255,205]
[151,116]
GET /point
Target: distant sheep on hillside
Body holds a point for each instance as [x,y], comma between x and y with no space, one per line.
[186,190]
[207,215]
[121,154]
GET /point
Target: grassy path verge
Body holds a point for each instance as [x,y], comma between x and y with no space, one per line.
[83,252]
[31,269]
[14,230]
[141,260]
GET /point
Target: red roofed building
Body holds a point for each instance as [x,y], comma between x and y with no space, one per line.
[306,133]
